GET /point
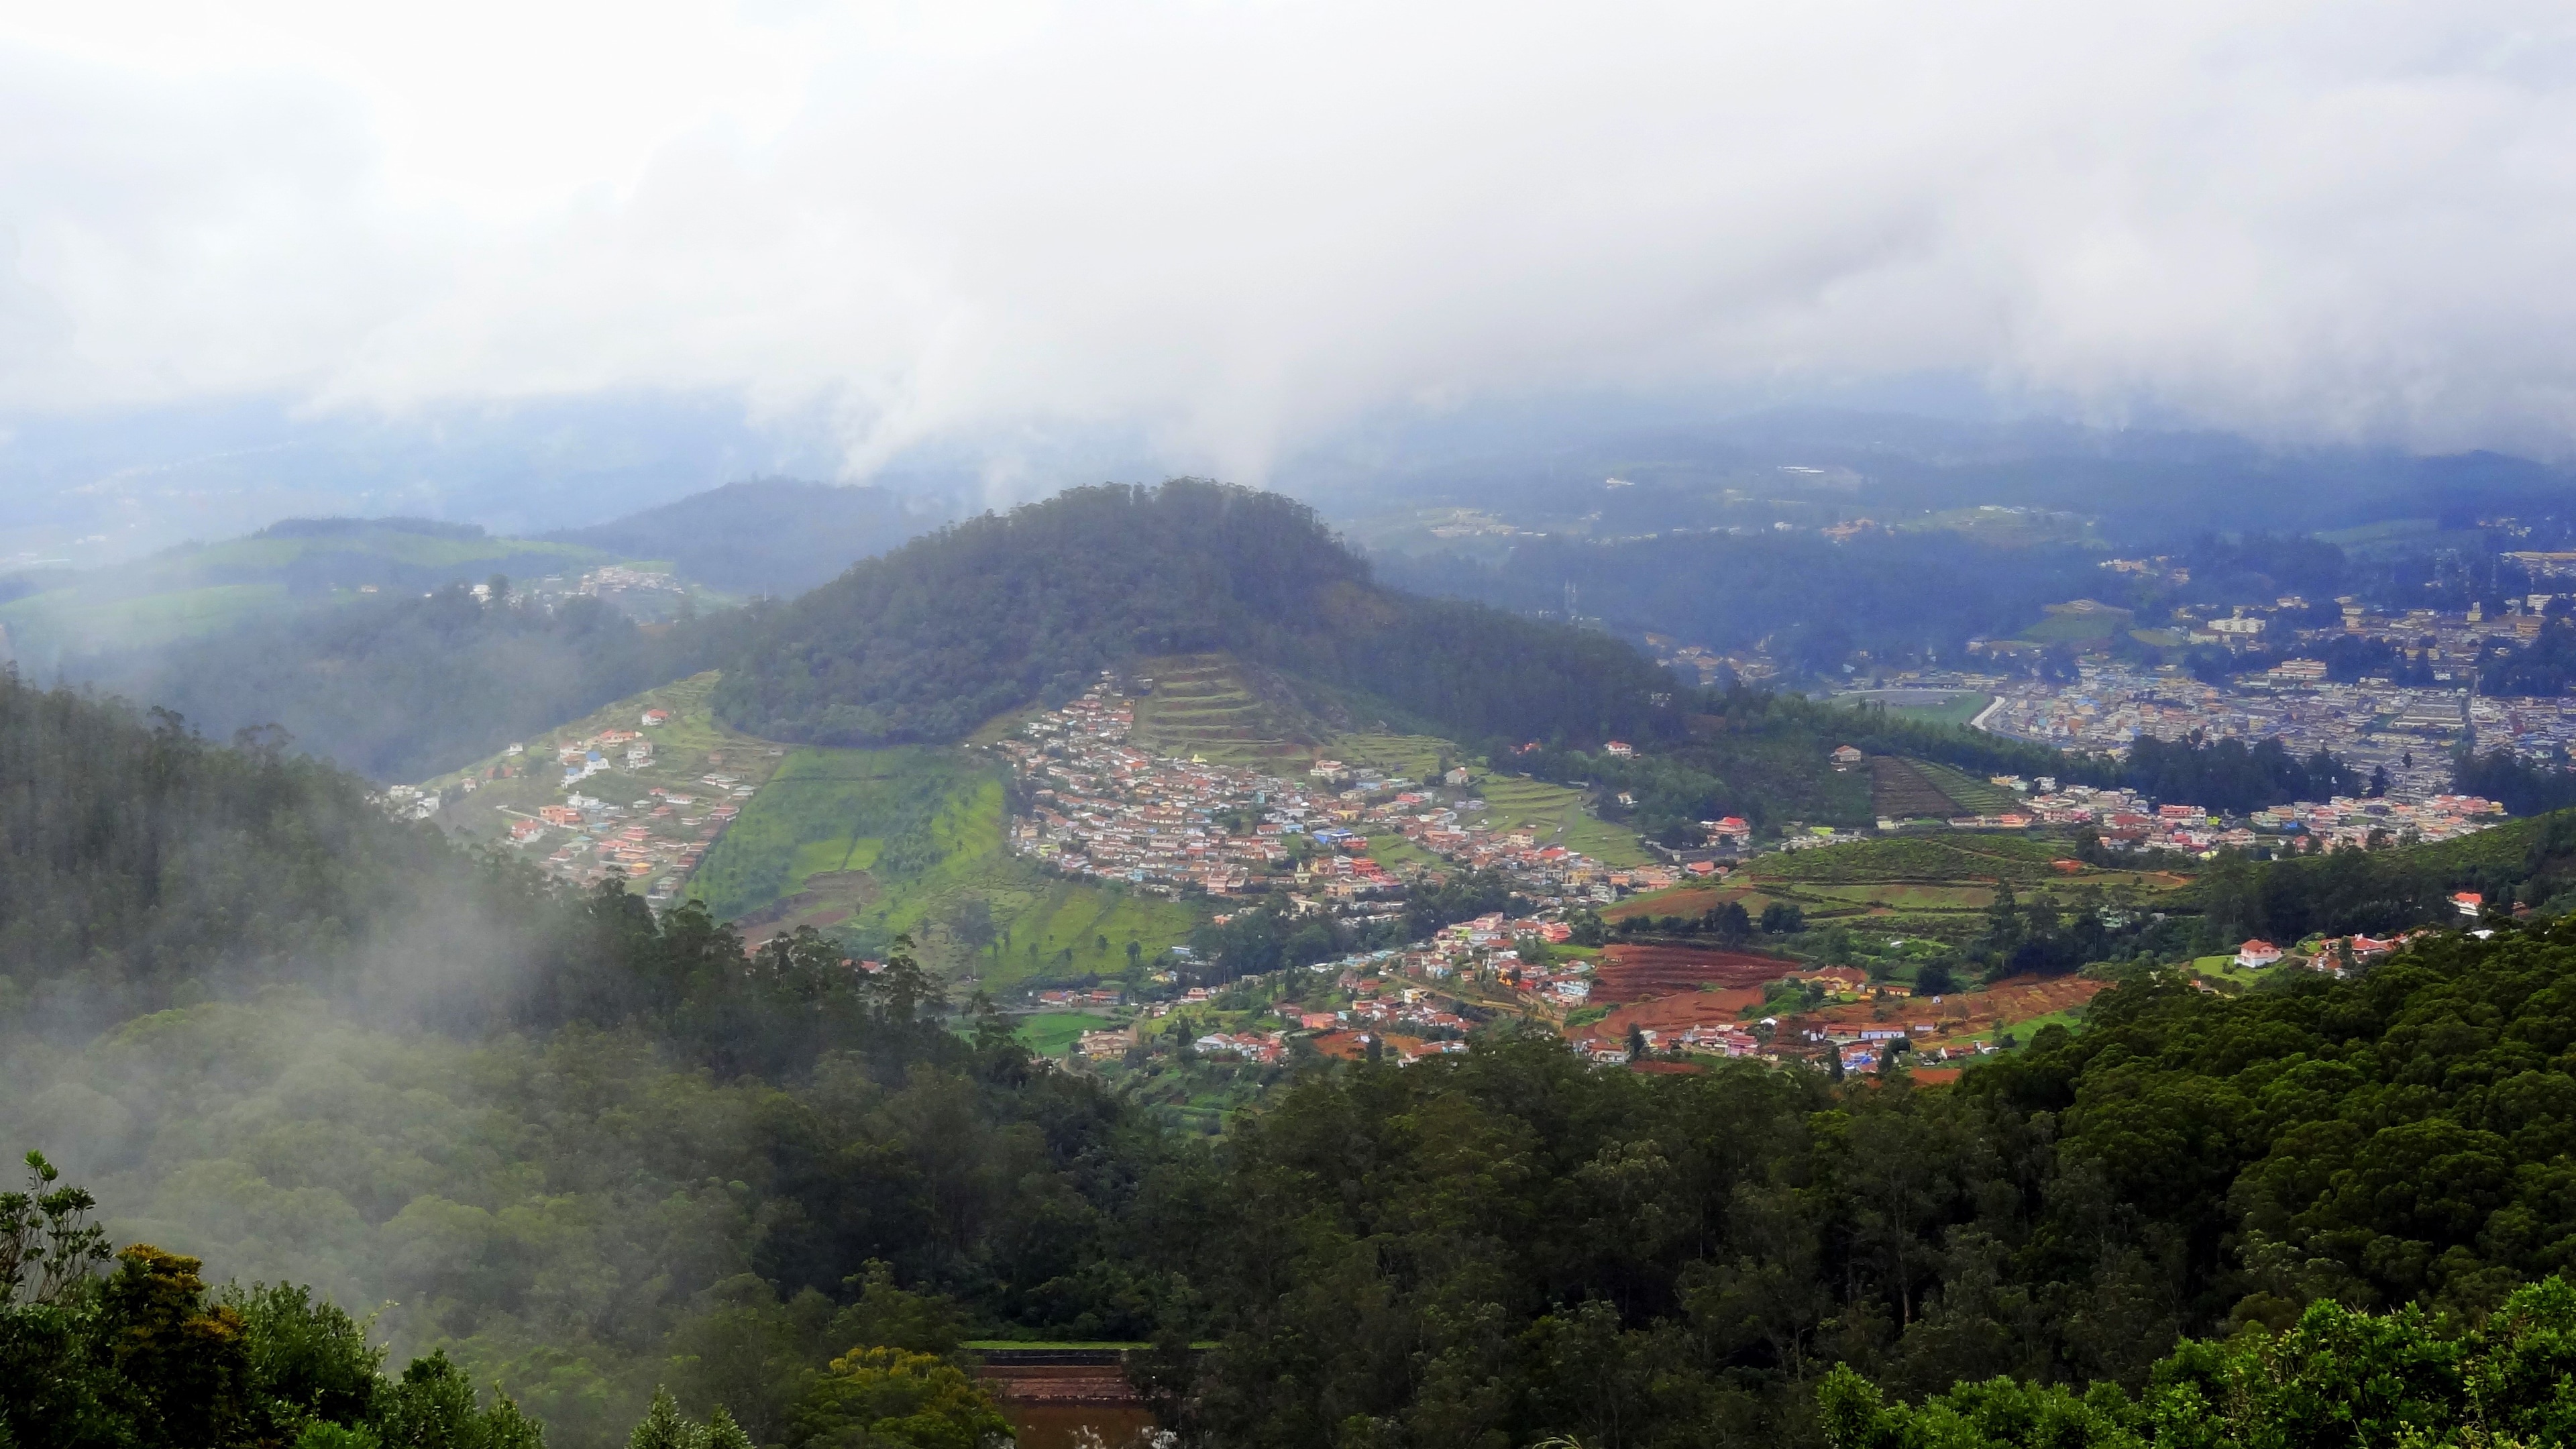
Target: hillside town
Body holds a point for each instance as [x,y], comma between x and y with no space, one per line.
[1098,806]
[2126,820]
[609,803]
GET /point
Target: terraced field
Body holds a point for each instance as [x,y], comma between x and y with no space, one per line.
[1935,886]
[1554,815]
[1415,757]
[1634,973]
[1898,791]
[1975,796]
[1910,789]
[1205,705]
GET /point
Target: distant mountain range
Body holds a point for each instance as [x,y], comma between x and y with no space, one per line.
[774,536]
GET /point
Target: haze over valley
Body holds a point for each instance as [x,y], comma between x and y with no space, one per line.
[900,727]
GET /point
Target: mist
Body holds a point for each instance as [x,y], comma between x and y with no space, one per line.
[1028,239]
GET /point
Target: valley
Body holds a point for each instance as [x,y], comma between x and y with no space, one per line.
[990,947]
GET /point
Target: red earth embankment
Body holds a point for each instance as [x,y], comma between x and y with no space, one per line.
[1635,973]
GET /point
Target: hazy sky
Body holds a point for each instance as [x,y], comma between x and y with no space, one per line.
[1233,226]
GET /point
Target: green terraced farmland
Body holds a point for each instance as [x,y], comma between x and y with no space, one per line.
[1203,705]
[830,812]
[1555,815]
[1974,796]
[910,840]
[1415,757]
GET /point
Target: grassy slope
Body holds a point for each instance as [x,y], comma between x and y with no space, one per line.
[1958,711]
[1972,794]
[812,849]
[190,592]
[1048,1033]
[76,619]
[1555,815]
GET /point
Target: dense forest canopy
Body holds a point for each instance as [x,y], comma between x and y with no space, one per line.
[1510,1245]
[986,615]
[141,864]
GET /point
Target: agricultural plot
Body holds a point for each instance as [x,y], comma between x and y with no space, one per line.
[1936,886]
[1974,796]
[2020,1004]
[1633,973]
[1689,900]
[849,815]
[1554,815]
[1207,705]
[1415,757]
[1937,859]
[1048,1033]
[910,840]
[2079,621]
[1899,791]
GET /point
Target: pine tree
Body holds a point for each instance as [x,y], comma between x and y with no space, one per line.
[664,1427]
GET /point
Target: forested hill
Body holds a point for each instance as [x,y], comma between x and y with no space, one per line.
[140,864]
[931,640]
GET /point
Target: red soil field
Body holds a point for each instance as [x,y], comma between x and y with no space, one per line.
[1634,973]
[1680,1010]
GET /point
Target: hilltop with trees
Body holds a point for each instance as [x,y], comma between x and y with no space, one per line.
[996,612]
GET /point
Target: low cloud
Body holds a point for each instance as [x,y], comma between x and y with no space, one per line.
[1229,229]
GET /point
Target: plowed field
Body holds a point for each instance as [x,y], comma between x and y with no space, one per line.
[1634,973]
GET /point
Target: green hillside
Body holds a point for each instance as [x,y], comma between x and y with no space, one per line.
[928,642]
[910,839]
[200,589]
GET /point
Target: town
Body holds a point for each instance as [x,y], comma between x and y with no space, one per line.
[1103,808]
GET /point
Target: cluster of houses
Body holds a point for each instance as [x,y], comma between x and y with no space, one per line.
[655,839]
[2407,730]
[2340,955]
[2126,820]
[1103,808]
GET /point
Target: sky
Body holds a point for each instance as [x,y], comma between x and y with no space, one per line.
[1221,231]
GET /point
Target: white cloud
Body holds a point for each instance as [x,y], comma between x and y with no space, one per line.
[1236,225]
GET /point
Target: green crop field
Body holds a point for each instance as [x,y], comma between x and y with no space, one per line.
[1942,858]
[832,811]
[1973,795]
[1048,1033]
[2078,622]
[1206,705]
[910,840]
[1555,815]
